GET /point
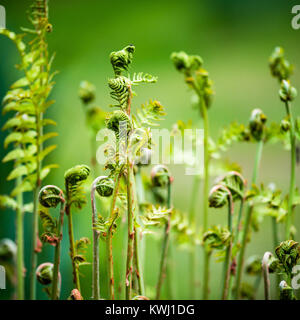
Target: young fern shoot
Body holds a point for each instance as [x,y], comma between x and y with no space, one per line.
[282,70]
[49,197]
[219,196]
[257,131]
[197,78]
[161,177]
[132,134]
[75,196]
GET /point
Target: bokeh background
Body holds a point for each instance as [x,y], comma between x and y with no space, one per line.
[235,39]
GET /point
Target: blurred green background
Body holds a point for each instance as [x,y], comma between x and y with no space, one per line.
[235,39]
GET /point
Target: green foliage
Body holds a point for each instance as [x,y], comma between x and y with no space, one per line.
[149,114]
[153,216]
[27,100]
[80,250]
[50,227]
[217,238]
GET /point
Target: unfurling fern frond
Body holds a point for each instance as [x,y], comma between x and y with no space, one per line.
[120,87]
[49,225]
[120,60]
[154,216]
[149,114]
[80,248]
[74,178]
[143,78]
[117,121]
[217,237]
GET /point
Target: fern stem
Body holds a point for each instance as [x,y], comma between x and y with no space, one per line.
[227,262]
[139,254]
[109,239]
[265,270]
[130,213]
[76,280]
[236,239]
[20,244]
[205,198]
[138,267]
[140,192]
[164,253]
[247,223]
[95,275]
[55,283]
[35,250]
[193,252]
[292,172]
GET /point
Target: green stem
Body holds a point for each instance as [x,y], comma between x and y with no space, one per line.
[55,284]
[236,239]
[131,215]
[192,218]
[205,199]
[20,244]
[227,262]
[265,269]
[109,247]
[166,241]
[247,223]
[139,271]
[276,243]
[76,280]
[141,198]
[35,234]
[95,275]
[292,172]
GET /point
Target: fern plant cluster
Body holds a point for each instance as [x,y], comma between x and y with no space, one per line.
[134,199]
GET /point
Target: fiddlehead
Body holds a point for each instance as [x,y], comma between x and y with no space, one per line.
[280,68]
[117,121]
[49,197]
[286,292]
[287,92]
[86,92]
[288,253]
[74,178]
[44,273]
[121,60]
[160,176]
[257,124]
[105,187]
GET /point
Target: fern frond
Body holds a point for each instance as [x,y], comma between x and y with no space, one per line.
[120,60]
[120,90]
[143,78]
[149,114]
